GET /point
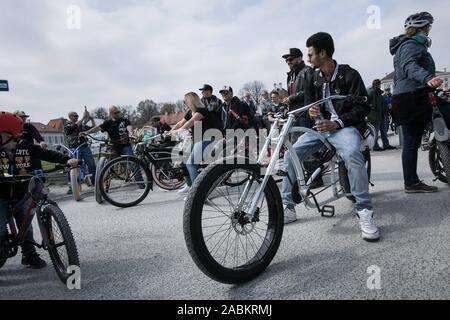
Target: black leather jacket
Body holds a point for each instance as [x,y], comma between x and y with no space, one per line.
[299,76]
[345,81]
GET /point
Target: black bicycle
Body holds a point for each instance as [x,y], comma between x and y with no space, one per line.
[438,138]
[55,231]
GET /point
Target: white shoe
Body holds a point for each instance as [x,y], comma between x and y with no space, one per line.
[289,215]
[369,230]
[185,189]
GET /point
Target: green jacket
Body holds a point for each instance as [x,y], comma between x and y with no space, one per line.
[376,103]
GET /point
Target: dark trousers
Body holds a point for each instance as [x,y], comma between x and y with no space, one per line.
[412,139]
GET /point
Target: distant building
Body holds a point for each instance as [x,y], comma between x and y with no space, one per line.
[388,80]
[53,132]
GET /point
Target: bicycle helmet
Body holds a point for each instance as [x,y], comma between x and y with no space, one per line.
[10,123]
[419,20]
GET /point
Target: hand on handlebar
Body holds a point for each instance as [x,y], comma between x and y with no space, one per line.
[314,112]
[72,163]
[43,145]
[435,82]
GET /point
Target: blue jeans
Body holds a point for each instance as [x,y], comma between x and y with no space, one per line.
[381,127]
[347,142]
[85,153]
[27,248]
[412,139]
[194,160]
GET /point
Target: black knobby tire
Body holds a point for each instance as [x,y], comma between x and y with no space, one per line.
[343,175]
[63,255]
[444,151]
[158,176]
[100,165]
[436,163]
[106,193]
[195,238]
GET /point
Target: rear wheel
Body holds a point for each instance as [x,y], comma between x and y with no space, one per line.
[343,175]
[223,244]
[62,249]
[166,176]
[444,150]
[436,163]
[100,165]
[125,182]
[75,183]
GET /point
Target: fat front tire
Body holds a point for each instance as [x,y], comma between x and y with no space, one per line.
[62,248]
[206,217]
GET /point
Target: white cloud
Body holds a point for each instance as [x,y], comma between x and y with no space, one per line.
[130,50]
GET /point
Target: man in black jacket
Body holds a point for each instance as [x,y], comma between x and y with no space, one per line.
[16,158]
[30,133]
[297,77]
[211,102]
[343,121]
[234,115]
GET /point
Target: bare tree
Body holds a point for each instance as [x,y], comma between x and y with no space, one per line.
[254,88]
[179,106]
[168,108]
[146,110]
[100,113]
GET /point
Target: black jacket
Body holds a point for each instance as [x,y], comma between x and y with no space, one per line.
[21,163]
[296,81]
[213,104]
[345,81]
[30,133]
[230,122]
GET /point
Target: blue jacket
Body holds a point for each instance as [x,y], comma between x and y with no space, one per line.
[414,65]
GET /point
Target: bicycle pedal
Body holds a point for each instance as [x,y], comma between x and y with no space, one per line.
[327,211]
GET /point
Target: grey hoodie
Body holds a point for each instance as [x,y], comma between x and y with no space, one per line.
[413,64]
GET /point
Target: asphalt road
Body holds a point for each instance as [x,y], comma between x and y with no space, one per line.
[140,253]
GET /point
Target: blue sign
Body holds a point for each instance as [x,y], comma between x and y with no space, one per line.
[4,85]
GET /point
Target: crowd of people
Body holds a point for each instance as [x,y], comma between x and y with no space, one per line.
[345,122]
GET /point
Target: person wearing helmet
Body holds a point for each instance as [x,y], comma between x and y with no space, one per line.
[414,69]
[16,158]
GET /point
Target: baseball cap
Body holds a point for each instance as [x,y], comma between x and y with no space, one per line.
[293,52]
[21,114]
[226,88]
[206,87]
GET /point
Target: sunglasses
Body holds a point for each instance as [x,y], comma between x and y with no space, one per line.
[118,112]
[290,59]
[224,93]
[74,116]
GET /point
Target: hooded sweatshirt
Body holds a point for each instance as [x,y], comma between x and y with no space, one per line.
[414,65]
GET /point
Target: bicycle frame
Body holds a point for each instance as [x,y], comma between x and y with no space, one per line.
[283,140]
[33,208]
[74,154]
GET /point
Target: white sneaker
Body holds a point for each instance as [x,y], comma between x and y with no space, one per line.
[369,230]
[185,189]
[289,215]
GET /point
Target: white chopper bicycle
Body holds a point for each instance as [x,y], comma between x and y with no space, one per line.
[233,231]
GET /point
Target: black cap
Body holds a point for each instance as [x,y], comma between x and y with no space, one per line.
[294,53]
[206,87]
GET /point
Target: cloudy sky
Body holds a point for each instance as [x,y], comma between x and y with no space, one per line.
[130,50]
